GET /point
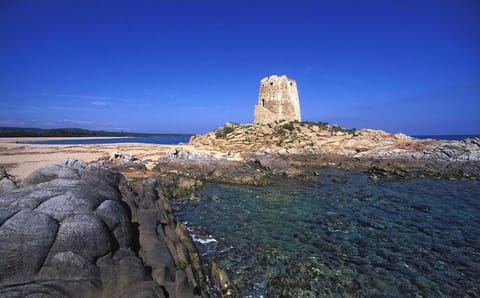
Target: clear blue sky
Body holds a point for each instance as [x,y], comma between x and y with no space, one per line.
[408,66]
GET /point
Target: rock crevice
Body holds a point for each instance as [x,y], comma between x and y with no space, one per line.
[70,230]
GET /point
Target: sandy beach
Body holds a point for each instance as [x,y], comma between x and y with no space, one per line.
[21,159]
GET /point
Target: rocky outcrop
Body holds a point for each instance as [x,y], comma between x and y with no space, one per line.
[67,232]
[381,154]
[294,138]
[464,150]
[7,182]
[182,171]
[165,245]
[299,138]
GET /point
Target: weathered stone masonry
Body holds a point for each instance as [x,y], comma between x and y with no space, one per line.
[277,100]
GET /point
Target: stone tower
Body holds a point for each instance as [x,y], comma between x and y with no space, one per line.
[277,100]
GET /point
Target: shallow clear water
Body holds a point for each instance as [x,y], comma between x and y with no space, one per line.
[343,235]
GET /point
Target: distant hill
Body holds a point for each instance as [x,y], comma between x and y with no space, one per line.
[67,132]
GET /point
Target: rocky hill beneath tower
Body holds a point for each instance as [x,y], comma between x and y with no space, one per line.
[305,138]
[382,154]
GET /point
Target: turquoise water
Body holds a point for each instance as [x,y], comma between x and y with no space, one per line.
[342,235]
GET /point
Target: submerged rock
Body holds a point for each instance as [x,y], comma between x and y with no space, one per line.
[222,282]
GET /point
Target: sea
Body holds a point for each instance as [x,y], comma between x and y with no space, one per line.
[447,137]
[171,139]
[341,235]
[164,139]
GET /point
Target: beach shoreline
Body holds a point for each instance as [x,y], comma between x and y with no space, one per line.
[21,159]
[272,153]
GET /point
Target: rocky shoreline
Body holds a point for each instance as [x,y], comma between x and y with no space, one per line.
[78,230]
[84,230]
[297,147]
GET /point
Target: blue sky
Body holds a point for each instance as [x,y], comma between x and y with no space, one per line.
[409,66]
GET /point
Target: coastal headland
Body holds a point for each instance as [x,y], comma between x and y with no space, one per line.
[117,196]
[276,148]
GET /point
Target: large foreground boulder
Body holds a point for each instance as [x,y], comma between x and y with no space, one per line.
[67,233]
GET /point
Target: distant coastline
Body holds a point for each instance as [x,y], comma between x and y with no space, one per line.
[166,139]
[447,137]
[10,132]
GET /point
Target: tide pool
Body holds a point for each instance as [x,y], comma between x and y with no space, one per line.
[342,234]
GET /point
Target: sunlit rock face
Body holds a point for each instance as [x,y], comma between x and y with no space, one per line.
[277,100]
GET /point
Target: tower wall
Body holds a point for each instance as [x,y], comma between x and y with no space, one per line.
[277,100]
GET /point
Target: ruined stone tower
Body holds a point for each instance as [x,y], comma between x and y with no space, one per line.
[277,100]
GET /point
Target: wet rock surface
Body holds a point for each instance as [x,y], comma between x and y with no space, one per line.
[78,230]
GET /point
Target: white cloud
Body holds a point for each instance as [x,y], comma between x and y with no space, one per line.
[98,100]
[79,96]
[72,121]
[100,103]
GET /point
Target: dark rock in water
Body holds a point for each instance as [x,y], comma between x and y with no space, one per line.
[270,163]
[224,171]
[421,207]
[340,180]
[67,233]
[222,282]
[389,171]
[276,166]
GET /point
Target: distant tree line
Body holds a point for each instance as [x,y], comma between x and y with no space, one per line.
[67,132]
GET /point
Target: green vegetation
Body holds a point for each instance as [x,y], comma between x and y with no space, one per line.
[332,128]
[182,265]
[320,124]
[224,131]
[283,128]
[336,128]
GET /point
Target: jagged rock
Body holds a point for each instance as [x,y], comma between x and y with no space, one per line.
[68,233]
[296,138]
[161,246]
[270,163]
[317,144]
[123,157]
[388,171]
[180,154]
[221,281]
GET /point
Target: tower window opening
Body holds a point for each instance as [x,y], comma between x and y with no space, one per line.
[271,83]
[263,102]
